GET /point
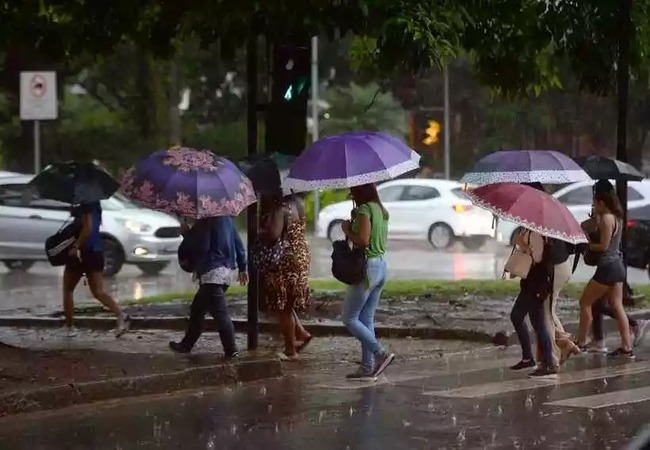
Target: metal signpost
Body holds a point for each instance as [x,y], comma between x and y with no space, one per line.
[38,101]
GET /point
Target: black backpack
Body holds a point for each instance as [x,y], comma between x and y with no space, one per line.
[348,264]
[58,245]
[190,251]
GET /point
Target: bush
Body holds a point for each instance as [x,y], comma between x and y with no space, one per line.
[326,198]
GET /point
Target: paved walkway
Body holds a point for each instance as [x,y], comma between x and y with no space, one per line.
[470,402]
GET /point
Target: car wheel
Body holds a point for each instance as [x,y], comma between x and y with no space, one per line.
[474,242]
[152,268]
[18,265]
[335,232]
[441,236]
[113,257]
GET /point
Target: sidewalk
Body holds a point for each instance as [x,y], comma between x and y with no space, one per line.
[472,318]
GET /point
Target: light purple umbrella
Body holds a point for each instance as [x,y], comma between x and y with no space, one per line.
[525,166]
[350,159]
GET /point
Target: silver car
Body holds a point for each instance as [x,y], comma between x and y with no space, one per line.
[131,234]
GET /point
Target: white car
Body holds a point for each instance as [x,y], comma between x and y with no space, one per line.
[131,234]
[420,208]
[578,197]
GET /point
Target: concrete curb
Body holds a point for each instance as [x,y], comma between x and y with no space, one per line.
[505,337]
[179,324]
[63,396]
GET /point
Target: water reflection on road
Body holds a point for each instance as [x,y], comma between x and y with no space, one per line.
[40,288]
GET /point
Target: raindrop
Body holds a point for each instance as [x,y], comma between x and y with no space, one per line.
[461,436]
[269,408]
[210,444]
[240,383]
[499,410]
[609,417]
[476,407]
[277,427]
[582,430]
[529,403]
[494,437]
[406,423]
[454,421]
[351,411]
[263,391]
[605,382]
[431,407]
[590,413]
[320,416]
[233,429]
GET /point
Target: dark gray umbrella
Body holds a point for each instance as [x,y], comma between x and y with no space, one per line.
[604,168]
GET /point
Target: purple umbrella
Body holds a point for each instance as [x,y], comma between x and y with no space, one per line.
[525,166]
[350,159]
[189,183]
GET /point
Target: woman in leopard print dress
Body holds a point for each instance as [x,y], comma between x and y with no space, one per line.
[286,286]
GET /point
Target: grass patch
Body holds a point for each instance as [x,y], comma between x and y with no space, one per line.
[398,289]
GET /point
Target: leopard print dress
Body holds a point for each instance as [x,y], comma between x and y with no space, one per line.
[288,286]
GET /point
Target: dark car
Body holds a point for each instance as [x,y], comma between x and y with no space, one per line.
[638,237]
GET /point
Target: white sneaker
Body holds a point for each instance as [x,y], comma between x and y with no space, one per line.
[639,332]
[597,347]
[70,332]
[123,325]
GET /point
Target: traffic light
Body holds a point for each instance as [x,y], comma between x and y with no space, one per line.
[432,133]
[292,72]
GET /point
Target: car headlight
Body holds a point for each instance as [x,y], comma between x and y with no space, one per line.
[136,227]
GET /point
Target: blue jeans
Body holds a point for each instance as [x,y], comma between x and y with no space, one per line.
[359,308]
[528,305]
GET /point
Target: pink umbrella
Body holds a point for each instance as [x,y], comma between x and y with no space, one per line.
[530,208]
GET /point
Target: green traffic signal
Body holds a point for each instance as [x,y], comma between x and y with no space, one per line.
[296,88]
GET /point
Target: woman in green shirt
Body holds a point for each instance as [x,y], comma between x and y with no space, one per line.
[368,229]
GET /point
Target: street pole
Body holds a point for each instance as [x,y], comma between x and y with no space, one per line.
[252,213]
[314,113]
[447,126]
[37,146]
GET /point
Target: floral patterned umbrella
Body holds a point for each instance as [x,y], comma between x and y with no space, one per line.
[189,183]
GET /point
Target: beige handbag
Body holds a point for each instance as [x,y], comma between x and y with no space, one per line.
[519,263]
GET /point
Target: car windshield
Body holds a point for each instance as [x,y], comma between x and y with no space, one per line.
[460,193]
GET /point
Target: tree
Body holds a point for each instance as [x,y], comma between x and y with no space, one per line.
[357,107]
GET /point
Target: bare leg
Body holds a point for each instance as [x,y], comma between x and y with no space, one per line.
[300,332]
[592,292]
[96,285]
[616,302]
[70,281]
[288,328]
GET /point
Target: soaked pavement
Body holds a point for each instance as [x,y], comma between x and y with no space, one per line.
[39,289]
[470,402]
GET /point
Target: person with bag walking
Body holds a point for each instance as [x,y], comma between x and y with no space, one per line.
[284,260]
[610,272]
[535,287]
[86,257]
[213,250]
[368,230]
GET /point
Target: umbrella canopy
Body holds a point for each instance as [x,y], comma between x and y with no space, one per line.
[604,168]
[350,159]
[530,208]
[74,182]
[525,166]
[189,183]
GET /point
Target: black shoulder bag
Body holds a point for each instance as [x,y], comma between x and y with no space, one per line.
[349,262]
[58,245]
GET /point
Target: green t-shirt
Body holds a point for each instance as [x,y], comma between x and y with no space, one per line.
[378,228]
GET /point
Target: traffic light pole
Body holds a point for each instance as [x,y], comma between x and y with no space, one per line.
[314,113]
[447,128]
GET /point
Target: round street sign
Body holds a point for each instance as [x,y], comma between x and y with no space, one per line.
[38,86]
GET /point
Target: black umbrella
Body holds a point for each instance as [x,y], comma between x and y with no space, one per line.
[604,168]
[74,182]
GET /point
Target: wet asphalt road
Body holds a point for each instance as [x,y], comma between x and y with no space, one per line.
[476,403]
[39,289]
